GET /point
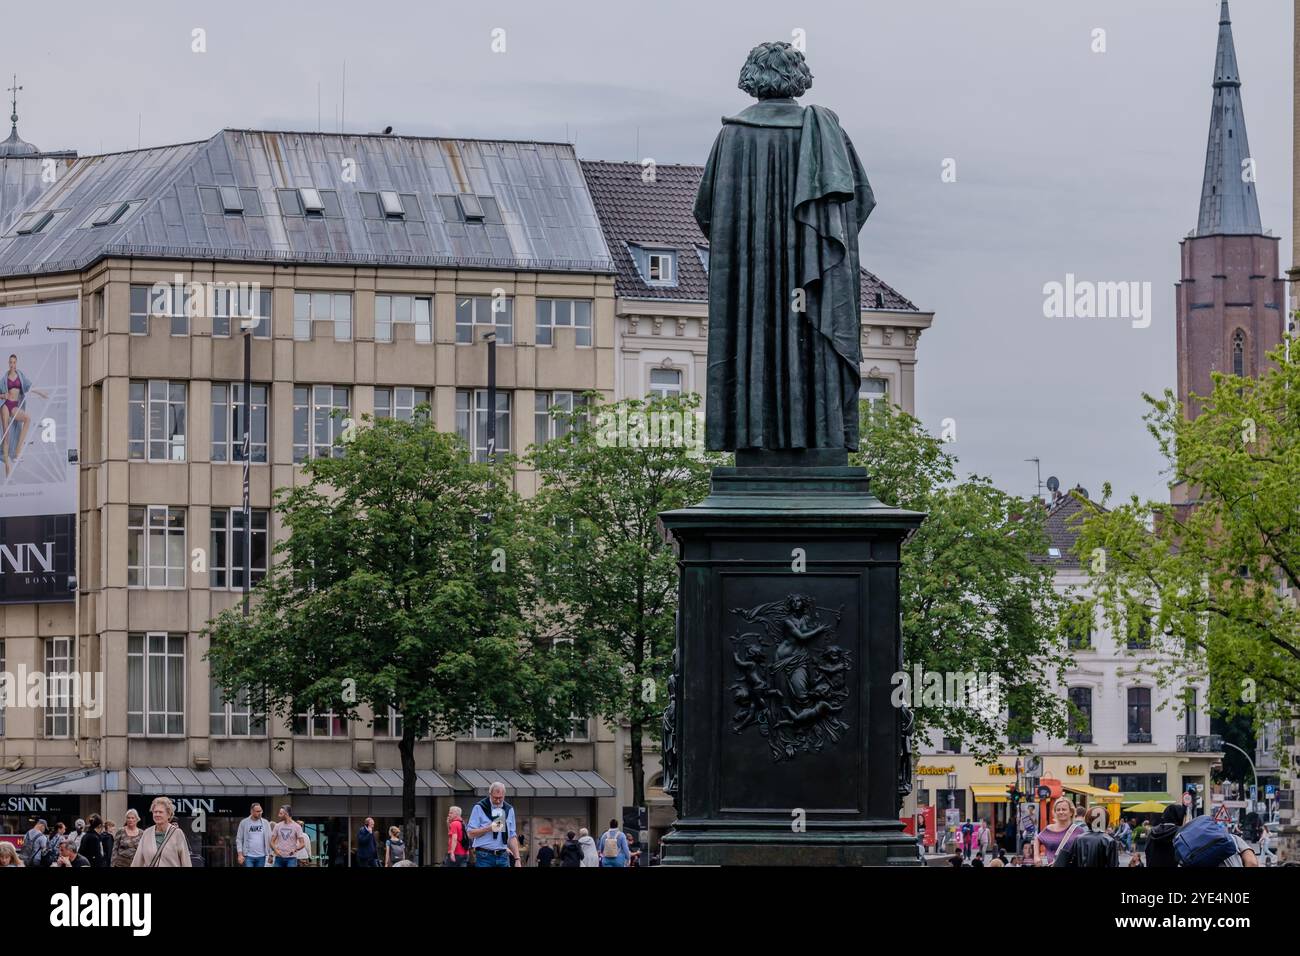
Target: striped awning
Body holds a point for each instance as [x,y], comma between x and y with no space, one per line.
[378,783]
[989,792]
[33,781]
[218,782]
[541,783]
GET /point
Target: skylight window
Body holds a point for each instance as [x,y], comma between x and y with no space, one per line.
[109,213]
[311,200]
[392,203]
[33,223]
[470,206]
[231,201]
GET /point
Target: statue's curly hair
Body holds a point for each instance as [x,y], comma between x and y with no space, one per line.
[774,70]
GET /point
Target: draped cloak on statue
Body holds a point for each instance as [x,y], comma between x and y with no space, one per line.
[781,202]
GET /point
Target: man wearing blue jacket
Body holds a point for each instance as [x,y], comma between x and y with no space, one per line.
[613,847]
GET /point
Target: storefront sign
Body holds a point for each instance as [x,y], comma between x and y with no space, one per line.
[1075,770]
[192,806]
[1000,770]
[1111,763]
[51,808]
[927,771]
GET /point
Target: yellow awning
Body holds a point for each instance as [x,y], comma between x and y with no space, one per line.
[1096,793]
[989,792]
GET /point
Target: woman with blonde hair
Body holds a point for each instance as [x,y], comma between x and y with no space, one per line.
[1061,832]
[127,840]
[162,844]
[394,847]
[8,855]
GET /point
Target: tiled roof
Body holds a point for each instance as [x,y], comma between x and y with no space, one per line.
[1062,526]
[547,221]
[659,213]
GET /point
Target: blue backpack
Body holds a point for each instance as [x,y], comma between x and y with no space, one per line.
[1203,843]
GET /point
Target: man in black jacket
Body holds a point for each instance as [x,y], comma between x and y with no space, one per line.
[1096,849]
[1160,845]
[571,852]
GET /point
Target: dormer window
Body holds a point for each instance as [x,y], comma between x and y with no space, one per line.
[33,222]
[470,207]
[311,201]
[231,201]
[657,266]
[703,253]
[392,204]
[109,213]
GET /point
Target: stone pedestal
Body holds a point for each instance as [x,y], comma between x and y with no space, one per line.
[781,745]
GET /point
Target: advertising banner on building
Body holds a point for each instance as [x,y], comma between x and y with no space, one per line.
[40,352]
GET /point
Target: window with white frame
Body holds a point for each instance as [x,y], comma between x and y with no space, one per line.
[58,687]
[564,313]
[665,382]
[489,729]
[331,308]
[235,302]
[658,266]
[238,717]
[473,428]
[314,723]
[155,684]
[389,725]
[226,559]
[165,302]
[399,402]
[156,426]
[228,422]
[320,414]
[155,547]
[579,730]
[874,389]
[415,310]
[547,425]
[477,312]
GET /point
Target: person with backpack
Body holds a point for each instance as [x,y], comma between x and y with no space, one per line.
[1202,842]
[614,850]
[35,844]
[457,840]
[967,839]
[492,830]
[394,847]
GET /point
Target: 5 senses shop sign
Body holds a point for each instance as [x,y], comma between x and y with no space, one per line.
[40,381]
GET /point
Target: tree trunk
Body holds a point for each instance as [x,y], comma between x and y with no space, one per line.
[638,764]
[414,839]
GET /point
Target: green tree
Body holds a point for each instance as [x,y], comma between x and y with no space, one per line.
[608,577]
[973,599]
[1218,572]
[403,583]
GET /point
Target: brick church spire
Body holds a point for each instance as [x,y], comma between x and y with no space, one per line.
[1229,205]
[1230,296]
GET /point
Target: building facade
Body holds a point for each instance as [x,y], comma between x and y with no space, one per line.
[1130,740]
[372,266]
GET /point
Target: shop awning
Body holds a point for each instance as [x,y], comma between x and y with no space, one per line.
[542,783]
[1146,796]
[989,792]
[377,783]
[1093,793]
[39,780]
[222,782]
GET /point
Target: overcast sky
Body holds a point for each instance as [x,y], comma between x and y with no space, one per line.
[1067,160]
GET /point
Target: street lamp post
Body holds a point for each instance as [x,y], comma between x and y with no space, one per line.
[1253,772]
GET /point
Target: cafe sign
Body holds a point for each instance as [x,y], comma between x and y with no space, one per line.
[1000,770]
[927,771]
[1075,770]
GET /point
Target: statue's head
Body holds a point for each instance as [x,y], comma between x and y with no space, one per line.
[798,603]
[775,70]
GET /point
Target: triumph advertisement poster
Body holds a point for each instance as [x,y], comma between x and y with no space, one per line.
[40,349]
